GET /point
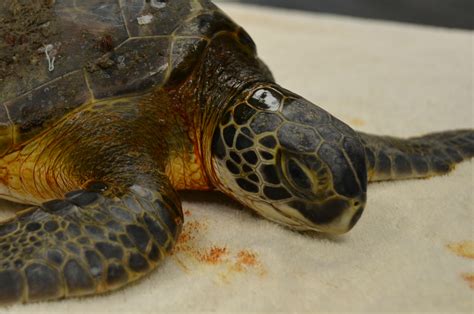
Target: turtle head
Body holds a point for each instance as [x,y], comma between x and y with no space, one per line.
[290,160]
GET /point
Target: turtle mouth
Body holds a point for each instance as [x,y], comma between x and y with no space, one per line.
[335,215]
[316,201]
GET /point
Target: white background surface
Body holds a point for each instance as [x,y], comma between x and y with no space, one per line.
[379,77]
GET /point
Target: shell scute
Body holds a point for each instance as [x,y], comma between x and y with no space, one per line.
[95,13]
[135,66]
[72,32]
[97,49]
[91,28]
[31,112]
[152,17]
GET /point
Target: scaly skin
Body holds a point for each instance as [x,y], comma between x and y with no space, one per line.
[291,161]
[390,158]
[120,222]
[89,243]
[102,164]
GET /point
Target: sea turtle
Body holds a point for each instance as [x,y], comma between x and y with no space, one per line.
[108,107]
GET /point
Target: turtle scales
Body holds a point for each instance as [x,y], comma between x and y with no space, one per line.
[108,107]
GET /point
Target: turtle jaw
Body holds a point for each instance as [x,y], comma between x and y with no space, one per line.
[310,197]
[336,215]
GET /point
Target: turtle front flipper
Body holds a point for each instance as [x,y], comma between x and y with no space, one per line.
[94,240]
[390,158]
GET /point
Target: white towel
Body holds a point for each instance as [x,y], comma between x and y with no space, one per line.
[412,249]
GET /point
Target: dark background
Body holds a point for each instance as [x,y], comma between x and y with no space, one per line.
[443,13]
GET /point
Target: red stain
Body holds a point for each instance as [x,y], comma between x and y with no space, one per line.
[190,229]
[229,262]
[357,122]
[214,255]
[469,278]
[246,260]
[463,249]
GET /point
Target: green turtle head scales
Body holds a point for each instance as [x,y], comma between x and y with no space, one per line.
[291,161]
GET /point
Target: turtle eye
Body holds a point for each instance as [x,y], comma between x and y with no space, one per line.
[266,99]
[300,178]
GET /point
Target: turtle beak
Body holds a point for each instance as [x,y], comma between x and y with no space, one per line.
[334,199]
[328,182]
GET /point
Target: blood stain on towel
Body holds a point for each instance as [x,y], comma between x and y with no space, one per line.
[188,235]
[248,259]
[187,213]
[189,251]
[464,249]
[186,243]
[244,262]
[213,255]
[469,278]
